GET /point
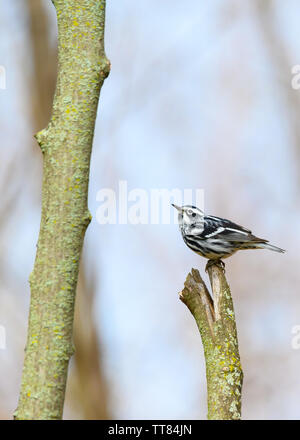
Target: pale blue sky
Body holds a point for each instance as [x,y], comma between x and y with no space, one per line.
[193,101]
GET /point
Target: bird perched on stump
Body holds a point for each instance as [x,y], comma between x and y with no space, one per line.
[216,238]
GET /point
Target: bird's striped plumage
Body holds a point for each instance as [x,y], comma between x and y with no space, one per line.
[216,238]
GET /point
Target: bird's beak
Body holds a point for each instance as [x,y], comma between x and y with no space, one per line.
[177,207]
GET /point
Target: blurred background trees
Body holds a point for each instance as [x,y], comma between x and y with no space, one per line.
[197,98]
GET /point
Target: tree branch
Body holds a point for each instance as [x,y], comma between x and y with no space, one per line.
[66,145]
[216,322]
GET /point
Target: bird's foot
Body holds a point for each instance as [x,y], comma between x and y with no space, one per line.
[218,263]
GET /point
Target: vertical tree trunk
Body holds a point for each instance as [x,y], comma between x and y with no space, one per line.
[66,145]
[86,392]
[216,322]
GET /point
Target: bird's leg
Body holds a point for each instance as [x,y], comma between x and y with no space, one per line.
[218,263]
[209,264]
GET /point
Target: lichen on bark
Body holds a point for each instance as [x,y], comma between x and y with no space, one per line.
[66,145]
[216,322]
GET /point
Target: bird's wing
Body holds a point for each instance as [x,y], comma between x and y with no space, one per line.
[216,227]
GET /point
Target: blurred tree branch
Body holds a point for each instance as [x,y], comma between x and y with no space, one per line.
[216,322]
[66,144]
[44,63]
[87,387]
[279,58]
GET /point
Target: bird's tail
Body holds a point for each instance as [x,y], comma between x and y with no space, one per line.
[271,247]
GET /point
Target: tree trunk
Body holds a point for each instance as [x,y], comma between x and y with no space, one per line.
[86,391]
[216,322]
[66,145]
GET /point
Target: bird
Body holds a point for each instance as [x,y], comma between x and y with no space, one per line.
[216,238]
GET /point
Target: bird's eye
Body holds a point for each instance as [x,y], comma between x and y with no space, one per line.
[194,214]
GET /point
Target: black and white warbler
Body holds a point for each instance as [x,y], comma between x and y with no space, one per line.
[216,238]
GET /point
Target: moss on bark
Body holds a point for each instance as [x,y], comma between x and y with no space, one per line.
[66,145]
[216,322]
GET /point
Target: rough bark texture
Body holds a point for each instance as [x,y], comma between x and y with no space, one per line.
[66,145]
[86,392]
[216,322]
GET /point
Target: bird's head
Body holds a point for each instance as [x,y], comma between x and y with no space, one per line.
[190,219]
